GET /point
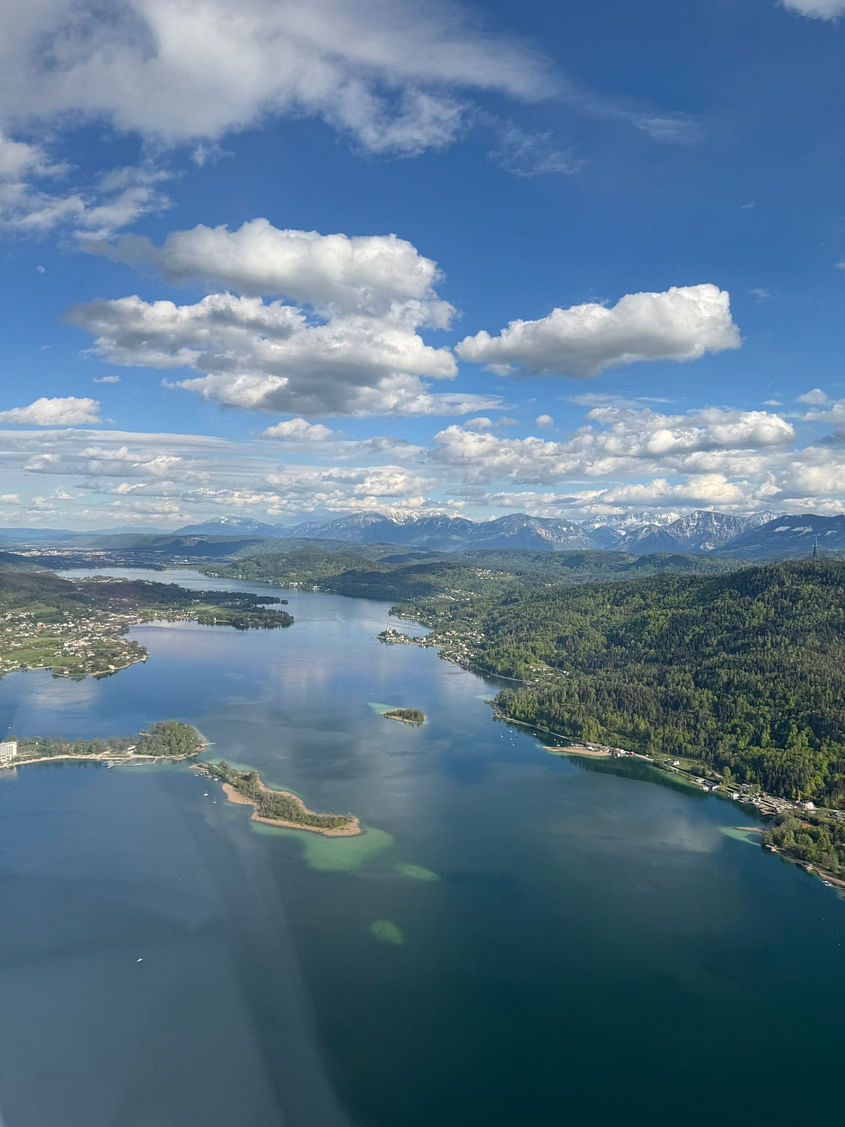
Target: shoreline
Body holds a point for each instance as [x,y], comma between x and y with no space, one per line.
[467,663]
[107,757]
[352,828]
[120,634]
[578,750]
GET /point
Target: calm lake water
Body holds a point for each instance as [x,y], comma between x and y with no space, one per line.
[516,938]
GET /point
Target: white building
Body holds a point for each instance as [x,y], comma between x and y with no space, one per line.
[8,751]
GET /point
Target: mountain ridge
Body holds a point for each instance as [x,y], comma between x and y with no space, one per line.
[701,532]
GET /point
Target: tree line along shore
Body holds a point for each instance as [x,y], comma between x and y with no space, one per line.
[737,671]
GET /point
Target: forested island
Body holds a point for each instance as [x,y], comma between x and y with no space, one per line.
[277,807]
[77,627]
[405,715]
[166,739]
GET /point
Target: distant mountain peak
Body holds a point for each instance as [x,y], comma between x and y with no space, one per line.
[232,526]
[756,536]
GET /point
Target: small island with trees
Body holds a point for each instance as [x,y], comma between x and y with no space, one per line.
[277,807]
[405,715]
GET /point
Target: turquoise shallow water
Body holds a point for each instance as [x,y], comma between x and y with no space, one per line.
[516,936]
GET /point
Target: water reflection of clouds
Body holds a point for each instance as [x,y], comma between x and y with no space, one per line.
[28,696]
[610,824]
[39,687]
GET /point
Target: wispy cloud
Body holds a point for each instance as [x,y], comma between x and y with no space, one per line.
[527,154]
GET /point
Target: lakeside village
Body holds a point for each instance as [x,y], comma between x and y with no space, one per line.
[75,646]
[79,628]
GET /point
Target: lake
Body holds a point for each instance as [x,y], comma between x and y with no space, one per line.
[516,937]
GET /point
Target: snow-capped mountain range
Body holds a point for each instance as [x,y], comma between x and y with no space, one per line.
[702,531]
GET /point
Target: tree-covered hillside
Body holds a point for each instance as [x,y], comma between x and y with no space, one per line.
[745,671]
[413,575]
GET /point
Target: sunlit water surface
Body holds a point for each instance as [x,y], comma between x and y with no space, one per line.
[516,938]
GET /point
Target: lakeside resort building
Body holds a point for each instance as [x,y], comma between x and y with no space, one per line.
[8,751]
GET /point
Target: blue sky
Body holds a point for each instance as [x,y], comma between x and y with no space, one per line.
[567,259]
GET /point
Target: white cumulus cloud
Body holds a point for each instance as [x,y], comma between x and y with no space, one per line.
[682,323]
[351,345]
[619,441]
[44,412]
[815,397]
[338,272]
[270,356]
[299,430]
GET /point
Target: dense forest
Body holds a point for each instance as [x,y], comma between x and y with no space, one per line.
[822,845]
[164,738]
[740,667]
[410,575]
[170,737]
[33,747]
[743,671]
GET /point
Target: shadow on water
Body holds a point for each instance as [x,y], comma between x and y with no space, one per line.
[635,769]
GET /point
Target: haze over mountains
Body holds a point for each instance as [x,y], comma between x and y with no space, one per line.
[759,536]
[702,531]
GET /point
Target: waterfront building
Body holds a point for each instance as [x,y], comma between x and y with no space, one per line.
[8,751]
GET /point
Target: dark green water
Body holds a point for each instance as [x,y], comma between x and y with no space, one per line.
[516,938]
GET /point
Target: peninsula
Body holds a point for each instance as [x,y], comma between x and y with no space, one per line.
[166,739]
[277,807]
[77,627]
[175,740]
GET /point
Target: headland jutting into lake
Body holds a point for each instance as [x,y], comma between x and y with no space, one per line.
[166,739]
[77,627]
[277,807]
